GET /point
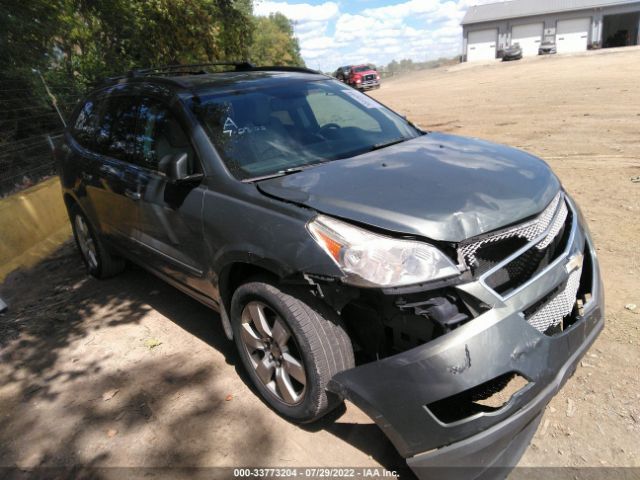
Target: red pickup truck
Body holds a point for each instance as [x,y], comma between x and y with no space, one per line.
[362,77]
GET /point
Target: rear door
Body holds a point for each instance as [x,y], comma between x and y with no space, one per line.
[169,225]
[80,161]
[113,191]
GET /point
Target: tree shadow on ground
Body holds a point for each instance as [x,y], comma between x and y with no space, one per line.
[58,401]
[52,354]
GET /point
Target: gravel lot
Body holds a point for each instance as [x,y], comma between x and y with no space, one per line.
[131,373]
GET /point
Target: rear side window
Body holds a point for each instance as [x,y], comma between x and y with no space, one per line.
[116,135]
[85,126]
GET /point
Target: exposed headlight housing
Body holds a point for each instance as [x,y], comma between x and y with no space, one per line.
[372,260]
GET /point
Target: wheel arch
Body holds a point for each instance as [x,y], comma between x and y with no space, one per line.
[235,273]
[70,201]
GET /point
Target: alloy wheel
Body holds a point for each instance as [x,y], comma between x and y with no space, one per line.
[86,242]
[273,352]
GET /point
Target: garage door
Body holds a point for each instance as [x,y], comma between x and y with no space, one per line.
[528,36]
[481,45]
[572,35]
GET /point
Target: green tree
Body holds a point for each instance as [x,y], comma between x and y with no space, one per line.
[274,42]
[112,36]
[27,29]
[76,43]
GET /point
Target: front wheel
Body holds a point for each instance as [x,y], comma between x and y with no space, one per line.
[291,344]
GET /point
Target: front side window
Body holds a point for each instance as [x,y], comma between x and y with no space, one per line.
[268,130]
[161,137]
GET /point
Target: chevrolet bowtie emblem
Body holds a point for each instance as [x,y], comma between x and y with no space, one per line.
[575,262]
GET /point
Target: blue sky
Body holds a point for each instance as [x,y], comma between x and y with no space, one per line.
[334,33]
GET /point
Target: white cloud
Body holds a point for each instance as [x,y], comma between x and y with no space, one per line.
[303,12]
[416,29]
[403,10]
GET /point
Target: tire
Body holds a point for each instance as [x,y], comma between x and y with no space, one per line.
[100,263]
[316,344]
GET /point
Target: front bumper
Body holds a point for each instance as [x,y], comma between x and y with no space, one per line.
[368,85]
[397,391]
[509,57]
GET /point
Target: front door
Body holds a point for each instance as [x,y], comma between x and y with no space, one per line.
[169,226]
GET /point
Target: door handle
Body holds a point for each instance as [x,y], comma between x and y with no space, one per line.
[87,177]
[109,170]
[133,195]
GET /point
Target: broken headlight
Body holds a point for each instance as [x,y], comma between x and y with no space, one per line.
[373,260]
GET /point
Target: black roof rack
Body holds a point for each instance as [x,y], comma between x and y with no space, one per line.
[285,69]
[193,68]
[200,69]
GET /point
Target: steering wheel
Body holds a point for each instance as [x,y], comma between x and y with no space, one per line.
[330,126]
[269,152]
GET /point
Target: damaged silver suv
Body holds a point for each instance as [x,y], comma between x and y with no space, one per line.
[447,286]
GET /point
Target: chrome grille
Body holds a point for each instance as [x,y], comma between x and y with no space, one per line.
[553,218]
[561,305]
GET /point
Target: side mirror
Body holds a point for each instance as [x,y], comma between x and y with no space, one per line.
[178,170]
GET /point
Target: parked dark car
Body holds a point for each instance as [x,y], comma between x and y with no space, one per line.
[512,52]
[350,254]
[342,73]
[547,47]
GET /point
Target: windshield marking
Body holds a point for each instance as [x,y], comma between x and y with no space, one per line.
[278,129]
[229,127]
[362,99]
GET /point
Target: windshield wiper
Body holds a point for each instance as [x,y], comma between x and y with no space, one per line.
[279,173]
[379,146]
[289,171]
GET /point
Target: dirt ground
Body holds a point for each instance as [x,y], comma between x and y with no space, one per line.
[131,373]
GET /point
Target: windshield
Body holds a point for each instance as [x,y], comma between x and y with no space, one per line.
[363,68]
[266,131]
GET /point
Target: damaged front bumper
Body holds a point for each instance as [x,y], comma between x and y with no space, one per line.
[426,399]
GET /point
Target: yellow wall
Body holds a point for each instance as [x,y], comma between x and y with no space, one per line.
[33,223]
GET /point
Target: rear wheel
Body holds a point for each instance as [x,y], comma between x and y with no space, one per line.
[99,261]
[291,345]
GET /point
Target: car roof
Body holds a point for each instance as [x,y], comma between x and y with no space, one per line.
[242,79]
[196,82]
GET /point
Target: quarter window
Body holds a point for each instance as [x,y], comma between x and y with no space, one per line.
[84,129]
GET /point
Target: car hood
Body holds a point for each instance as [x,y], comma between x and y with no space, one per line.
[437,186]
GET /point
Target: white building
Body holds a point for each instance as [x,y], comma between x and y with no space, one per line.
[574,25]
